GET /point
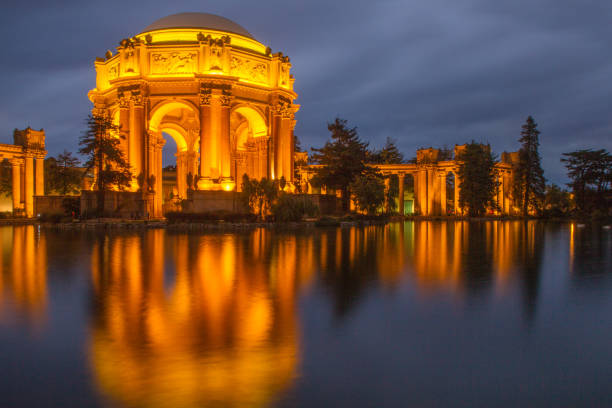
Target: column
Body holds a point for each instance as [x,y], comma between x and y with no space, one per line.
[507,183]
[430,191]
[387,187]
[135,141]
[422,192]
[400,178]
[206,154]
[286,145]
[442,181]
[159,187]
[437,193]
[225,162]
[124,126]
[276,168]
[457,192]
[16,165]
[40,176]
[500,193]
[181,174]
[29,186]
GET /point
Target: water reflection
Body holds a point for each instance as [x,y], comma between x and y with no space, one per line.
[180,320]
[23,275]
[220,329]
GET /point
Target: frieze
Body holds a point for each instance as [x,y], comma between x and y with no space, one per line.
[173,62]
[255,71]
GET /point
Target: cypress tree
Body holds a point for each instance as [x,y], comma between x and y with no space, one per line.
[529,182]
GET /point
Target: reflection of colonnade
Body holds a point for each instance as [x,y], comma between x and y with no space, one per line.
[223,97]
[23,274]
[430,182]
[222,327]
[26,156]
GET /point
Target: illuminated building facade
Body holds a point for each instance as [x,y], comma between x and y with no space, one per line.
[26,157]
[224,97]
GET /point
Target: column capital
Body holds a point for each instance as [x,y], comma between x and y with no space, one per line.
[16,161]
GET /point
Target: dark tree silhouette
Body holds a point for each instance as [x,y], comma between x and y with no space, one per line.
[477,178]
[529,182]
[100,146]
[342,159]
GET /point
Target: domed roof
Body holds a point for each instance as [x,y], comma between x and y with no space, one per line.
[198,20]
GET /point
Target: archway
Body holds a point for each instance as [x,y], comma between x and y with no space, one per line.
[177,122]
[249,143]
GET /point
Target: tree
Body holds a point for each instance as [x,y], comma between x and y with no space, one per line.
[100,145]
[369,191]
[342,159]
[477,178]
[591,175]
[62,174]
[389,154]
[259,195]
[557,201]
[529,182]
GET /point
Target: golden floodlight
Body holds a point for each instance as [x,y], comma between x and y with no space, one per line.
[224,97]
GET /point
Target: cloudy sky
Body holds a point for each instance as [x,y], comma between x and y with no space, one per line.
[427,73]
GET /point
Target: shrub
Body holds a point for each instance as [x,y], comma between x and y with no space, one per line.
[290,207]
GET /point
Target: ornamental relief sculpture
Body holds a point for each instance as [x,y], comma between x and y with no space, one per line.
[173,62]
[113,72]
[252,70]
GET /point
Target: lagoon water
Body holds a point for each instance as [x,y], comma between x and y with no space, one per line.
[425,314]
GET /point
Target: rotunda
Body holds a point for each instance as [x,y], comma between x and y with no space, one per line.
[204,80]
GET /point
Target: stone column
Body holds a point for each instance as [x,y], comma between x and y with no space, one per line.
[225,162]
[507,180]
[500,193]
[286,145]
[124,126]
[457,192]
[16,165]
[431,179]
[159,189]
[442,182]
[29,186]
[400,179]
[387,187]
[276,167]
[206,155]
[181,174]
[40,176]
[136,149]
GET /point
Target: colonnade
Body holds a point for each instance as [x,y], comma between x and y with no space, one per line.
[26,157]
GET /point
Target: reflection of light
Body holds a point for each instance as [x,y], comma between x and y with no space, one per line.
[224,331]
[571,246]
[24,282]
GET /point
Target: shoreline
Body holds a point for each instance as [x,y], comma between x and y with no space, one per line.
[114,223]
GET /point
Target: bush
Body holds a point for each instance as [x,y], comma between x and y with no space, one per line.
[72,205]
[291,207]
[6,214]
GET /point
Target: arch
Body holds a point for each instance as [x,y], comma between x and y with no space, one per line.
[162,109]
[178,134]
[256,120]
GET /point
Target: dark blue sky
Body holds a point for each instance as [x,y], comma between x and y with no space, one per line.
[428,73]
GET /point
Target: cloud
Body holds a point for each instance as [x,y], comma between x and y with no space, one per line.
[425,73]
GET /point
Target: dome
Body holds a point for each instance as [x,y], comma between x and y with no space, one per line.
[198,20]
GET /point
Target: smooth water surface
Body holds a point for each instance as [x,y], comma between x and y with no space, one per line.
[409,314]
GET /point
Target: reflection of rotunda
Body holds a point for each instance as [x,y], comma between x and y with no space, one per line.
[223,97]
